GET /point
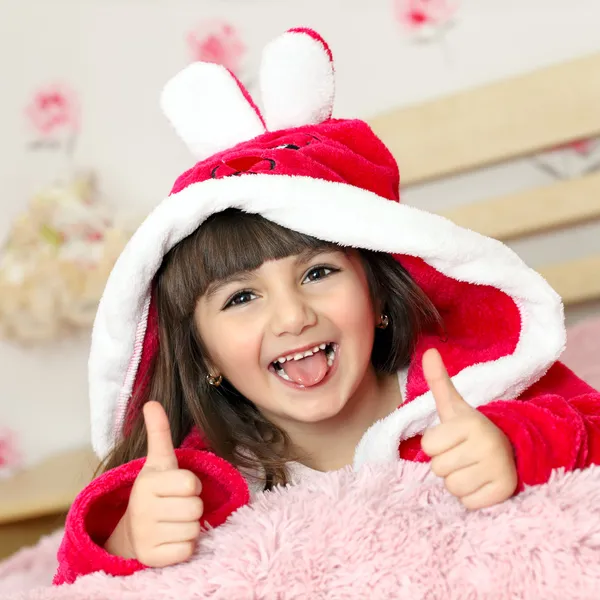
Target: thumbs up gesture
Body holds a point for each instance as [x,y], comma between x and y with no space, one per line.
[473,456]
[162,521]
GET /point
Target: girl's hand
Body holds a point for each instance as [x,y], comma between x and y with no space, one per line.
[473,456]
[162,522]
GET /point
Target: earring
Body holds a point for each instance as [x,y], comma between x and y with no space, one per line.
[384,321]
[214,381]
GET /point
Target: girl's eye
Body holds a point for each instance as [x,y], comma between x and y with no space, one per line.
[317,273]
[239,299]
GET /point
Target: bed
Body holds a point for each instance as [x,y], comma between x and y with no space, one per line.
[451,135]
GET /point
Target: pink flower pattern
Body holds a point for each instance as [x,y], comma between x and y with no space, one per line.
[10,458]
[582,147]
[418,15]
[218,42]
[53,109]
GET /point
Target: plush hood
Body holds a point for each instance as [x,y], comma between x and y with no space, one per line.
[292,163]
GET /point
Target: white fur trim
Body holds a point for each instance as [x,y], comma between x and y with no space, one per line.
[208,109]
[297,81]
[132,369]
[385,226]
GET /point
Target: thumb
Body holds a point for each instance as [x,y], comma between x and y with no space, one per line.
[161,454]
[448,401]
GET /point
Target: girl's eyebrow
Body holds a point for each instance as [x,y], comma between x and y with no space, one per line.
[217,285]
[309,253]
[244,276]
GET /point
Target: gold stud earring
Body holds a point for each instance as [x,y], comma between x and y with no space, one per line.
[214,381]
[384,321]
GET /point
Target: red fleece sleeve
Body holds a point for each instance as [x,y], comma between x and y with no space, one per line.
[553,424]
[99,507]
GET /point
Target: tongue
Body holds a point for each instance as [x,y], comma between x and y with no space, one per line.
[307,371]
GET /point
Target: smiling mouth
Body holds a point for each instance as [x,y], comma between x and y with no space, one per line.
[306,369]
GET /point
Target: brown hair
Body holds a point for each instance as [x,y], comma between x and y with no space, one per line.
[226,243]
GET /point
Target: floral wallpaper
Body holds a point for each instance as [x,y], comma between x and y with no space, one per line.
[218,41]
[426,19]
[10,457]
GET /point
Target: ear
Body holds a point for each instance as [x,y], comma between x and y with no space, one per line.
[297,80]
[210,109]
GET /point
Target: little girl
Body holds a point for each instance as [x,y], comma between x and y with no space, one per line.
[281,314]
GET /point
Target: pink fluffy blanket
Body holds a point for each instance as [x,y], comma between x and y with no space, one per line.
[390,531]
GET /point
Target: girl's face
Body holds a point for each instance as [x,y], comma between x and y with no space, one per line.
[294,336]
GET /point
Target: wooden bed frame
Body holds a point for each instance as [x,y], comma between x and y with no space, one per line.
[508,120]
[466,131]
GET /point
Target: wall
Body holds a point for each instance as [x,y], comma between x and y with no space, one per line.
[116,55]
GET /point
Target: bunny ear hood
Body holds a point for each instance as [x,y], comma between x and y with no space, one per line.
[212,111]
[290,163]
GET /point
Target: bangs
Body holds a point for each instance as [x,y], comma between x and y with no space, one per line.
[227,243]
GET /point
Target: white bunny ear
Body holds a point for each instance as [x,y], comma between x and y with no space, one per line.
[297,80]
[210,109]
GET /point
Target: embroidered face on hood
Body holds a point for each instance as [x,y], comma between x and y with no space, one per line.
[288,163]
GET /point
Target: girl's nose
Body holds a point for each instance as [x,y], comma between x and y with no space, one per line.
[292,315]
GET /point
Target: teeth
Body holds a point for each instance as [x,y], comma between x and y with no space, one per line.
[329,353]
[279,370]
[283,374]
